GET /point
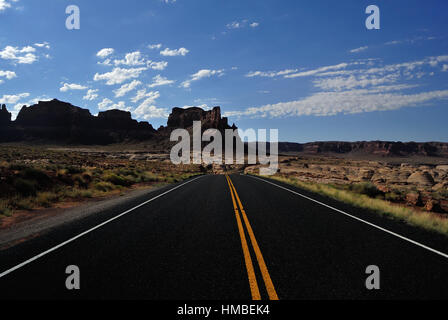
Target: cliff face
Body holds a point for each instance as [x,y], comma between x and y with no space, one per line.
[61,122]
[5,116]
[184,118]
[380,148]
[58,121]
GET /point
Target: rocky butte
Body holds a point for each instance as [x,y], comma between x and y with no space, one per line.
[60,122]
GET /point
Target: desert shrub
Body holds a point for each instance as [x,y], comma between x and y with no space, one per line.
[25,187]
[81,181]
[22,203]
[35,174]
[17,167]
[393,196]
[5,209]
[45,199]
[74,170]
[117,179]
[149,177]
[104,186]
[76,193]
[367,188]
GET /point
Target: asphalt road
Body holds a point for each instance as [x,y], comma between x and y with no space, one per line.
[244,238]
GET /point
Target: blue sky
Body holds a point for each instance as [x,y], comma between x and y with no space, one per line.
[308,68]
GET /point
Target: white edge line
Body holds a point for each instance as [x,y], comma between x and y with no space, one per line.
[88,231]
[359,219]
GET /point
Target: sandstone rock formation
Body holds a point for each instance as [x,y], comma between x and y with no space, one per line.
[184,118]
[378,148]
[421,178]
[58,121]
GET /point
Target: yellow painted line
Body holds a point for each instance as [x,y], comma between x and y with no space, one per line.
[248,260]
[261,263]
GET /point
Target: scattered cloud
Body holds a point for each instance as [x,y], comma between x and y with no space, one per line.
[108,104]
[71,86]
[158,81]
[204,73]
[318,70]
[8,75]
[131,59]
[124,89]
[92,94]
[119,75]
[270,74]
[6,4]
[360,49]
[151,96]
[13,98]
[45,45]
[25,55]
[241,24]
[147,111]
[155,46]
[158,65]
[103,53]
[175,52]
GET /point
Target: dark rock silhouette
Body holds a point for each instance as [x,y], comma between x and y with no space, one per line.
[5,116]
[57,121]
[184,118]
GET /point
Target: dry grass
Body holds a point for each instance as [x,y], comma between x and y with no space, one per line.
[425,220]
[32,178]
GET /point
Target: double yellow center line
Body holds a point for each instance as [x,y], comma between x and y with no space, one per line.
[255,291]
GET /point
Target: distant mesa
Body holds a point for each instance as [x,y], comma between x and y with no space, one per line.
[60,122]
[184,118]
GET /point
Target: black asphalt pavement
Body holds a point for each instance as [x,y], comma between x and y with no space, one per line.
[186,245]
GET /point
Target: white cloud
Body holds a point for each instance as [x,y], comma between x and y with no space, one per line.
[91,95]
[103,53]
[175,52]
[124,89]
[119,75]
[23,55]
[151,96]
[341,83]
[270,74]
[241,24]
[155,46]
[148,111]
[131,59]
[8,74]
[234,25]
[445,68]
[5,4]
[158,80]
[158,65]
[72,86]
[107,62]
[359,49]
[316,71]
[204,73]
[103,105]
[345,102]
[45,45]
[13,99]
